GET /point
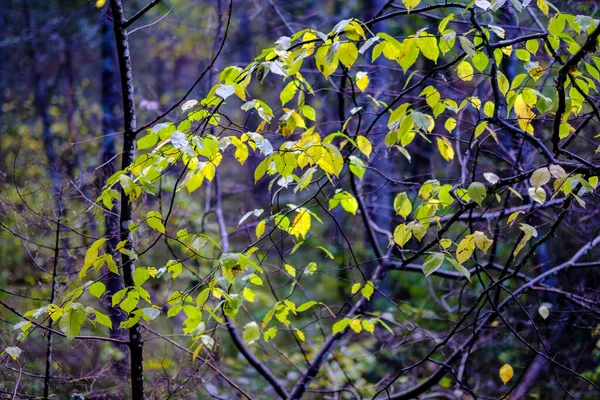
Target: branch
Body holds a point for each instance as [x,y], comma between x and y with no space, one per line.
[588,47]
[140,13]
[235,337]
[54,331]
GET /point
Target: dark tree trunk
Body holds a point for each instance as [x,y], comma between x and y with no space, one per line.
[129,121]
[109,162]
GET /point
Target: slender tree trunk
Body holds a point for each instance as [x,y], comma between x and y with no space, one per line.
[109,162]
[129,121]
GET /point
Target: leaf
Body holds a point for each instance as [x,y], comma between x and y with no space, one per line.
[428,46]
[432,263]
[340,325]
[71,321]
[357,166]
[465,249]
[540,177]
[367,290]
[482,241]
[513,216]
[410,4]
[270,334]
[151,312]
[14,352]
[467,46]
[305,306]
[529,232]
[347,53]
[251,333]
[102,319]
[224,91]
[249,294]
[364,145]
[483,4]
[402,234]
[491,177]
[459,268]
[544,311]
[188,104]
[543,6]
[97,289]
[445,148]
[290,270]
[464,70]
[100,3]
[154,220]
[402,205]
[506,373]
[301,224]
[260,229]
[477,192]
[288,92]
[91,255]
[537,194]
[362,80]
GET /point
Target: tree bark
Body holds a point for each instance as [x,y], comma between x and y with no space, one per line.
[109,163]
[129,121]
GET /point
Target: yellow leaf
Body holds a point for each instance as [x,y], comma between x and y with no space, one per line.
[362,80]
[260,228]
[100,3]
[445,148]
[410,4]
[506,373]
[364,145]
[356,326]
[428,46]
[543,6]
[290,270]
[249,295]
[402,234]
[524,114]
[300,224]
[347,53]
[465,248]
[465,71]
[450,124]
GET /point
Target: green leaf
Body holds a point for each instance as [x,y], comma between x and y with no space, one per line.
[340,325]
[71,321]
[477,192]
[367,290]
[154,220]
[97,289]
[402,205]
[459,268]
[402,234]
[432,263]
[251,333]
[102,319]
[305,306]
[540,177]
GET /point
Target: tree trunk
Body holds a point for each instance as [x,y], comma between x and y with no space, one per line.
[129,121]
[109,162]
